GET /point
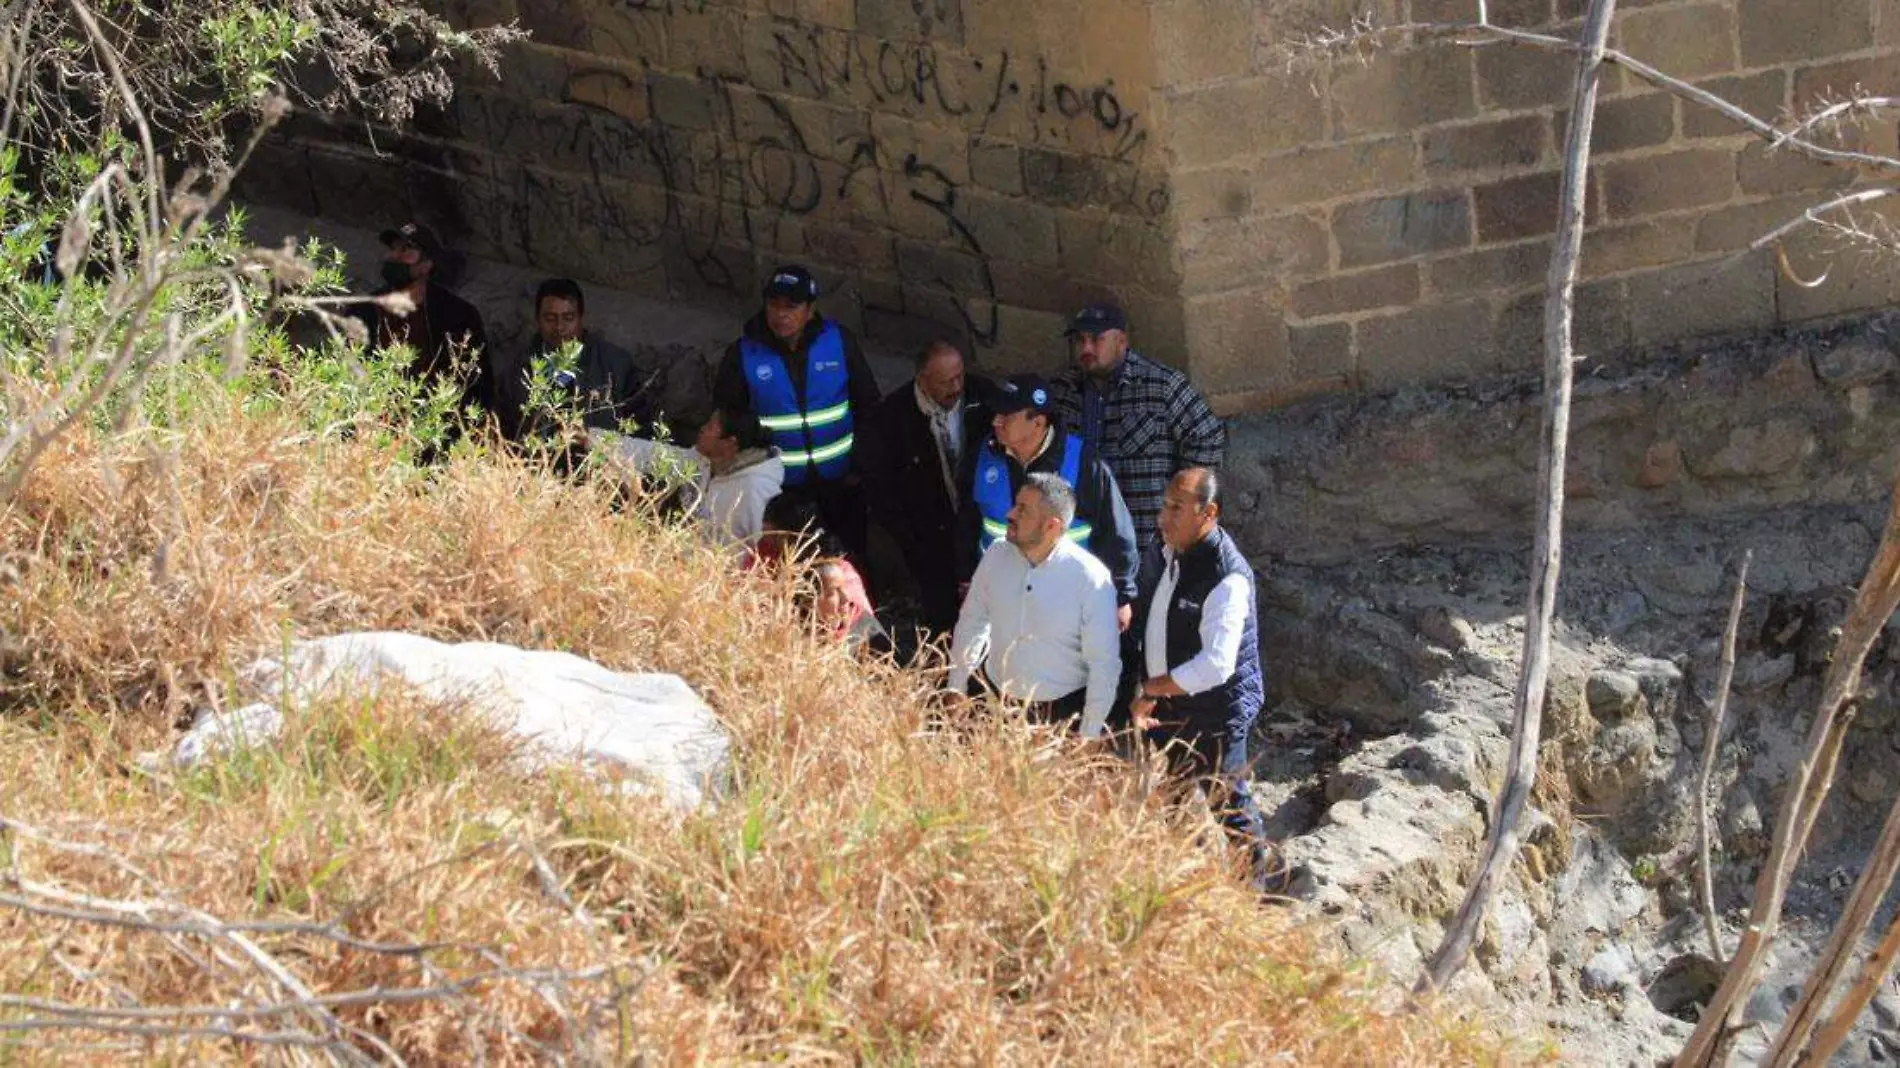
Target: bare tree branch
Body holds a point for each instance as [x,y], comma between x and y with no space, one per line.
[1547,554]
[1807,788]
[1711,743]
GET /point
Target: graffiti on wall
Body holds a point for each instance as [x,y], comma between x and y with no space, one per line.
[710,170]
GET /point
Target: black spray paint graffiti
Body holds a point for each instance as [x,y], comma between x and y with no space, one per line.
[828,64]
[721,187]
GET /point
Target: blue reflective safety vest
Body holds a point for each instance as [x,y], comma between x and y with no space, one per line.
[994,498]
[813,434]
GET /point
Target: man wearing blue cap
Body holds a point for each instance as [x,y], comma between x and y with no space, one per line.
[805,379]
[1147,420]
[1026,439]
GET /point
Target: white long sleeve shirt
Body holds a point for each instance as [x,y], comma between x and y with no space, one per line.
[729,506]
[1041,632]
[1223,619]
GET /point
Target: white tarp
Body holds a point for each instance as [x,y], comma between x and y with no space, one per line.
[565,707]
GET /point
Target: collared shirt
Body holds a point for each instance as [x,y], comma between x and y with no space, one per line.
[946,429]
[1223,619]
[1152,423]
[1042,632]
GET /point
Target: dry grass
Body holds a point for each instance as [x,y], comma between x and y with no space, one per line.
[873,890]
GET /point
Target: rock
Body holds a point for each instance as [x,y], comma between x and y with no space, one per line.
[1662,464]
[1773,448]
[1860,362]
[1443,628]
[565,708]
[1612,694]
[1760,673]
[1608,970]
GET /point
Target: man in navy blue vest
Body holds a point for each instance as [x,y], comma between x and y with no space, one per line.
[1026,439]
[1198,658]
[806,380]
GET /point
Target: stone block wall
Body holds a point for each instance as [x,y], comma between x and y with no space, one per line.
[1386,219]
[1276,227]
[983,165]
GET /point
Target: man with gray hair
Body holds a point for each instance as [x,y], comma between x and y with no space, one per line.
[1040,618]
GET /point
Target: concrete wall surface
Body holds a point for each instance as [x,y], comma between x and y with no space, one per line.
[1275,222]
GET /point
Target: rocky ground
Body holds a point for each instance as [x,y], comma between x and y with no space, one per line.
[1393,680]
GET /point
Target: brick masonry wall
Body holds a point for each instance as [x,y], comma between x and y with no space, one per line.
[1387,220]
[988,165]
[984,165]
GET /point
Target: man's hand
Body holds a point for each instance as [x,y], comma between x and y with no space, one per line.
[1141,712]
[1124,615]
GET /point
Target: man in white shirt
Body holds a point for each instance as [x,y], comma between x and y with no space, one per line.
[1201,685]
[1040,617]
[730,474]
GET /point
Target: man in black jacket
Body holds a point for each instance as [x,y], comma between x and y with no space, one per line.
[606,387]
[1199,685]
[805,378]
[917,454]
[1025,438]
[444,331]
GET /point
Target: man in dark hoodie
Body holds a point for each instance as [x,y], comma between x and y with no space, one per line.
[1027,439]
[605,387]
[805,379]
[444,331]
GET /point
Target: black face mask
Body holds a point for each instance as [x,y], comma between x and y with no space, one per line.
[397,274]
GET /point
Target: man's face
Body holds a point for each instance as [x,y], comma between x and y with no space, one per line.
[941,378]
[419,263]
[559,321]
[712,442]
[1183,521]
[1098,355]
[787,318]
[1020,432]
[1029,520]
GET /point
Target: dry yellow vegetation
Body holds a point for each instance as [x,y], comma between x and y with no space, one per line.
[872,889]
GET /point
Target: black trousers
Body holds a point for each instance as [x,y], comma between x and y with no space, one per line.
[1214,754]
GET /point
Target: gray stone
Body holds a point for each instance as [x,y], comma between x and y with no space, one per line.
[1608,970]
[1861,362]
[1612,693]
[1443,628]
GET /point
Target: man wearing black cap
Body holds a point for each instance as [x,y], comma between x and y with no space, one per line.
[1026,439]
[806,380]
[444,331]
[1146,420]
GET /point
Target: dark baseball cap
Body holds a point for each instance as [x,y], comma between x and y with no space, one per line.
[1022,393]
[1097,318]
[794,282]
[413,233]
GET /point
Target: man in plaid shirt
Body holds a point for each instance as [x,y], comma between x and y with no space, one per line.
[1146,420]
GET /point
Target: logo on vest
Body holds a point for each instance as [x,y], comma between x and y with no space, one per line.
[990,476]
[825,365]
[763,374]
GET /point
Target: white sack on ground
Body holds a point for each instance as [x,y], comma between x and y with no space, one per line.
[565,707]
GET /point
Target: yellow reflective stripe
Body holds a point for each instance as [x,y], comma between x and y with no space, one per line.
[828,416]
[832,451]
[995,529]
[1081,532]
[796,421]
[794,457]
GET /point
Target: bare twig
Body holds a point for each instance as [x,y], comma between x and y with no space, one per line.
[1547,555]
[1807,788]
[1793,1045]
[1710,744]
[1873,974]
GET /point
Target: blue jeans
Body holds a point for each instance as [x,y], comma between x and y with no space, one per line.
[1215,754]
